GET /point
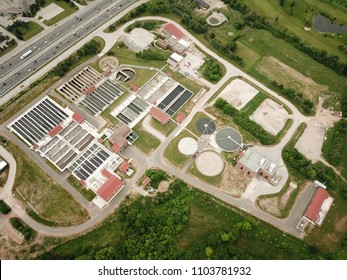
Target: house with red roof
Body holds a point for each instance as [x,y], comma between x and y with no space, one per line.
[159,115]
[319,206]
[110,188]
[171,30]
[124,166]
[146,181]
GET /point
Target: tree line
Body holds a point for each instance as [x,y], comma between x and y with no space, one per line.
[150,55]
[16,28]
[322,56]
[338,136]
[243,121]
[88,49]
[305,105]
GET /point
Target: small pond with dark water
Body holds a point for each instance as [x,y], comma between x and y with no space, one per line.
[324,24]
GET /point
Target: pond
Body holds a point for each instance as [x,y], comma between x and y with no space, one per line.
[323,24]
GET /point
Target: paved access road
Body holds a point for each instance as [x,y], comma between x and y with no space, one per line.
[14,70]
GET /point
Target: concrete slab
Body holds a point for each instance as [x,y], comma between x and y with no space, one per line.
[49,12]
[238,93]
[270,115]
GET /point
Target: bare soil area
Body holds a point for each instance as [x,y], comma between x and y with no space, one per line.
[290,78]
[234,182]
[163,186]
[274,205]
[271,116]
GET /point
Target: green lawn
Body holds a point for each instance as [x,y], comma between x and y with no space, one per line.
[55,205]
[192,125]
[142,76]
[184,81]
[106,113]
[33,29]
[252,105]
[173,155]
[127,56]
[165,129]
[8,49]
[146,142]
[87,194]
[68,10]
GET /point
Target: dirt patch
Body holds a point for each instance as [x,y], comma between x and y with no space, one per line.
[283,74]
[238,93]
[274,205]
[234,182]
[163,186]
[317,127]
[271,116]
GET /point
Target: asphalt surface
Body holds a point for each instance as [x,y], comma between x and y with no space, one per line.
[14,70]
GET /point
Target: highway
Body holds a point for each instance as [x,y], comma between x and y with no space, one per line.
[15,70]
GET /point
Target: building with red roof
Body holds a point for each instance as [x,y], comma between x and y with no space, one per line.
[159,115]
[124,166]
[55,130]
[111,187]
[319,207]
[180,117]
[146,181]
[134,87]
[171,30]
[106,173]
[89,90]
[78,117]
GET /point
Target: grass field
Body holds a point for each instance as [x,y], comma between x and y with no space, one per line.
[2,53]
[142,76]
[192,125]
[87,194]
[165,129]
[33,30]
[252,105]
[173,155]
[68,10]
[127,56]
[294,19]
[146,142]
[270,51]
[53,203]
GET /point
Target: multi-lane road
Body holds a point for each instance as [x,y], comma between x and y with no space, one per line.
[15,70]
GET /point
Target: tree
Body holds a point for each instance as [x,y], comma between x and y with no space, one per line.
[105,254]
[208,252]
[225,237]
[158,6]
